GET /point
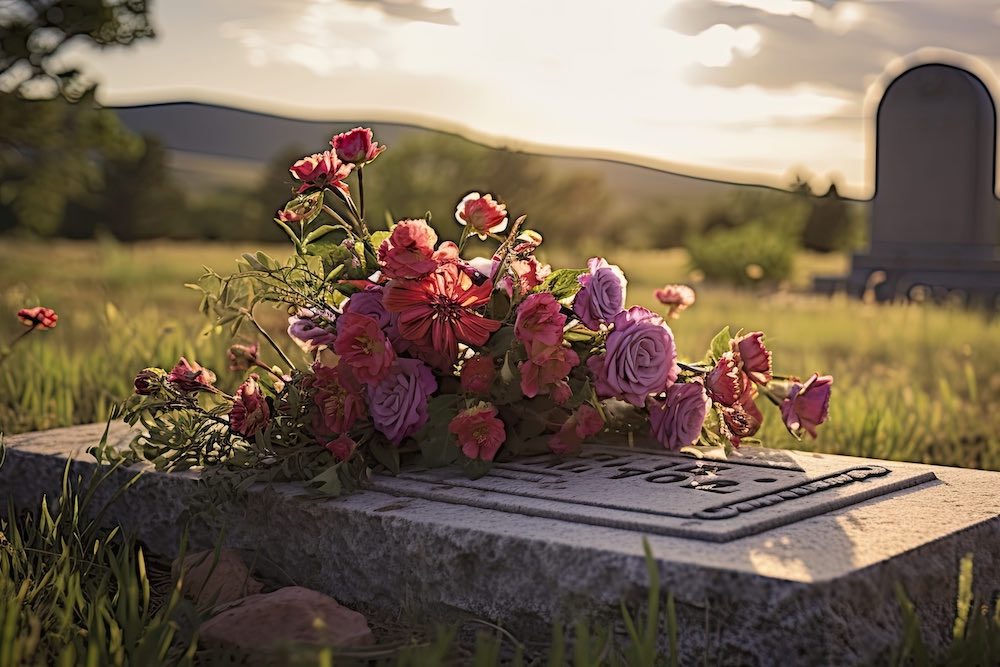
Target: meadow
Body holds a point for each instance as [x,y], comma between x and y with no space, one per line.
[914,381]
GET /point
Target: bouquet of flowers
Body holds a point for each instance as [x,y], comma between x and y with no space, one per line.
[412,349]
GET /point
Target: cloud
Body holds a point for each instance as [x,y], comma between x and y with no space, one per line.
[411,10]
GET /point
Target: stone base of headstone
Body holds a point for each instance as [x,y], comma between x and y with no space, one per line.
[774,557]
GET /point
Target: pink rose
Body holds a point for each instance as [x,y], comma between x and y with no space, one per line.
[369,302]
[602,295]
[250,412]
[479,431]
[676,421]
[478,374]
[546,368]
[586,422]
[189,376]
[242,357]
[363,346]
[677,297]
[338,397]
[321,170]
[539,320]
[356,146]
[342,447]
[639,358]
[310,331]
[38,317]
[483,215]
[754,358]
[807,405]
[409,250]
[398,403]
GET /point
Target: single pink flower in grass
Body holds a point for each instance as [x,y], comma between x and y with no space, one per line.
[38,317]
[602,295]
[742,418]
[483,215]
[321,170]
[189,376]
[342,447]
[677,297]
[438,311]
[409,250]
[584,423]
[478,374]
[546,368]
[242,357]
[479,431]
[639,358]
[807,405]
[338,398]
[398,404]
[539,320]
[676,420]
[754,358]
[356,146]
[363,346]
[250,413]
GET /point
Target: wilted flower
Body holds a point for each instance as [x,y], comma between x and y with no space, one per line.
[363,346]
[639,358]
[754,358]
[723,382]
[149,380]
[189,376]
[398,404]
[478,374]
[586,422]
[479,431]
[742,418]
[250,412]
[342,447]
[409,250]
[38,317]
[676,420]
[356,146]
[807,405]
[242,357]
[338,397]
[602,295]
[321,170]
[483,215]
[307,331]
[677,297]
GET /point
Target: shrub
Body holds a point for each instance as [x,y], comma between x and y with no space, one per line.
[744,256]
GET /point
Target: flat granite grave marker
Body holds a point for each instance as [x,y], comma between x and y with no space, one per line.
[774,557]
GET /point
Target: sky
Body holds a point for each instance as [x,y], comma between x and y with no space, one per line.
[744,90]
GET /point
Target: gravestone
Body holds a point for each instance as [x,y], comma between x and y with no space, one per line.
[933,220]
[772,556]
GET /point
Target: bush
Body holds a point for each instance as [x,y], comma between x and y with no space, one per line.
[743,256]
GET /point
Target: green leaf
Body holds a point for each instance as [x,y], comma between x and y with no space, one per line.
[499,305]
[385,454]
[475,468]
[319,233]
[562,283]
[720,345]
[378,237]
[327,482]
[435,440]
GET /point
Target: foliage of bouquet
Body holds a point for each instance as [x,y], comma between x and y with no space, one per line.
[416,350]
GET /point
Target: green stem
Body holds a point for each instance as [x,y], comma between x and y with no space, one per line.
[361,194]
[268,338]
[769,394]
[10,347]
[693,368]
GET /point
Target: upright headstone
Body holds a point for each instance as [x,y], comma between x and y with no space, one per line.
[933,221]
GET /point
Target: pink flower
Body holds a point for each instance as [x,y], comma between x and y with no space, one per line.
[483,215]
[438,311]
[639,358]
[546,368]
[479,431]
[363,346]
[742,418]
[242,357]
[807,405]
[398,403]
[307,329]
[478,374]
[369,302]
[38,317]
[338,398]
[754,358]
[676,420]
[602,295]
[356,146]
[321,170]
[342,447]
[409,250]
[724,382]
[539,320]
[678,297]
[250,412]
[189,376]
[560,392]
[586,422]
[289,215]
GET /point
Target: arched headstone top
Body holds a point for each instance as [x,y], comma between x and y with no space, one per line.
[935,161]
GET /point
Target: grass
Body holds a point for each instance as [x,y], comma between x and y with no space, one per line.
[914,382]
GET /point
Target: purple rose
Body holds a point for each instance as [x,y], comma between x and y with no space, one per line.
[307,330]
[398,404]
[369,302]
[639,358]
[676,421]
[603,293]
[807,405]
